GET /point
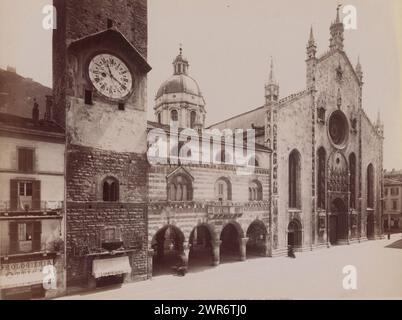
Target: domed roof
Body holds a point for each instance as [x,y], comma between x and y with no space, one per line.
[179,83]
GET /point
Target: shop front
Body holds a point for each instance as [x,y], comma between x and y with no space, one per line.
[24,280]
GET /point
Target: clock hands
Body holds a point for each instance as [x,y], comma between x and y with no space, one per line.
[112,76]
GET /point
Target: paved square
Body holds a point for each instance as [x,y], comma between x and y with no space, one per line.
[312,275]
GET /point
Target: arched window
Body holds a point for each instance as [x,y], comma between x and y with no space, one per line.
[253,162]
[111,190]
[180,188]
[370,186]
[352,182]
[321,191]
[294,180]
[255,191]
[193,117]
[174,115]
[223,189]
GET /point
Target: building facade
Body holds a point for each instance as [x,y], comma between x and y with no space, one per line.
[327,154]
[392,210]
[31,208]
[100,77]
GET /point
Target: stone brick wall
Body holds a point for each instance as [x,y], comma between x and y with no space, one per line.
[87,167]
[84,222]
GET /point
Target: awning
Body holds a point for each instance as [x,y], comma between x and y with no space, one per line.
[22,274]
[110,267]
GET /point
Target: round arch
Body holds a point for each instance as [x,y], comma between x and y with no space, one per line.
[230,238]
[257,235]
[168,246]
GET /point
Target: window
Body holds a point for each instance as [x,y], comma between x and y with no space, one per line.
[394,191]
[25,160]
[174,115]
[88,97]
[386,191]
[111,190]
[193,116]
[352,182]
[159,118]
[321,190]
[294,180]
[370,186]
[394,205]
[255,191]
[223,189]
[25,236]
[180,188]
[122,107]
[25,195]
[253,162]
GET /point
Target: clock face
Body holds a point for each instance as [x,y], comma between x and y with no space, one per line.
[110,76]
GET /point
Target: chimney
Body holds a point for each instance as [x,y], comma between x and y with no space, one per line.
[49,104]
[35,113]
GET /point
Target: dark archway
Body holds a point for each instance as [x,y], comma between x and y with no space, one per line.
[200,247]
[295,234]
[230,245]
[338,223]
[257,235]
[370,224]
[168,246]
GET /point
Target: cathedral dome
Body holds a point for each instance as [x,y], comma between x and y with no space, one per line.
[179,83]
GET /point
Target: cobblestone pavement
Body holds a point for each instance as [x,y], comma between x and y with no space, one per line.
[312,275]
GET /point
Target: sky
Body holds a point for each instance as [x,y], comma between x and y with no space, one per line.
[229,44]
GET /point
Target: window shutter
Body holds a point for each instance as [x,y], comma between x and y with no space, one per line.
[36,195]
[37,235]
[21,159]
[13,233]
[29,160]
[13,194]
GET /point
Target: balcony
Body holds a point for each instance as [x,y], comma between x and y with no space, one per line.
[224,210]
[30,208]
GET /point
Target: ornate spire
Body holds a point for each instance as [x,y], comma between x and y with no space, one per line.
[272,87]
[359,71]
[311,47]
[336,30]
[311,40]
[271,72]
[337,20]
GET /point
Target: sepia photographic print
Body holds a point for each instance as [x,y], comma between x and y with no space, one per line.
[200,150]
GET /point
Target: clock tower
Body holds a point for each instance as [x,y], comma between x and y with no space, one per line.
[100,74]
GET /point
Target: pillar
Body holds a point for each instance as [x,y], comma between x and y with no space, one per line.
[267,252]
[243,248]
[216,257]
[151,253]
[185,253]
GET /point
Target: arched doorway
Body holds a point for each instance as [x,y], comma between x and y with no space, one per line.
[294,234]
[256,244]
[168,246]
[200,247]
[230,245]
[338,223]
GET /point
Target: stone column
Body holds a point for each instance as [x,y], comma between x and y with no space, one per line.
[243,248]
[151,253]
[216,256]
[267,250]
[185,253]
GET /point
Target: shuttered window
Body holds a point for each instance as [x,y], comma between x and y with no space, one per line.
[24,235]
[25,160]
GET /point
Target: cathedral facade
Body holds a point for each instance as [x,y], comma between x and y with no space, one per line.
[326,153]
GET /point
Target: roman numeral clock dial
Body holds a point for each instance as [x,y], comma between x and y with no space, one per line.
[110,76]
